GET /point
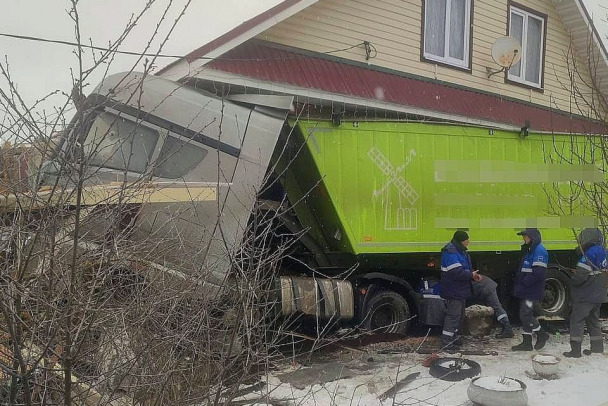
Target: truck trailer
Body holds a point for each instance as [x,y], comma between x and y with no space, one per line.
[387,196]
[368,205]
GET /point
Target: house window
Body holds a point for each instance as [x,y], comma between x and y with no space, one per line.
[447,32]
[528,28]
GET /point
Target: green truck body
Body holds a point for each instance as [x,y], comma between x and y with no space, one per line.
[378,187]
[381,199]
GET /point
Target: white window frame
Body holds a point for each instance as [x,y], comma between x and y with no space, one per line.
[522,70]
[467,38]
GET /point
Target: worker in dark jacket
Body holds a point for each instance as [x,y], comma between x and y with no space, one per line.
[588,286]
[455,286]
[529,288]
[484,289]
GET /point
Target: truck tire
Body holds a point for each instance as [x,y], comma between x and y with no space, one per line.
[387,312]
[556,302]
[454,369]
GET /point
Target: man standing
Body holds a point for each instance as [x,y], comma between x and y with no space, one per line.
[529,288]
[588,286]
[455,287]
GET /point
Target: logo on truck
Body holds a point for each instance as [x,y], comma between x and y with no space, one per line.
[396,216]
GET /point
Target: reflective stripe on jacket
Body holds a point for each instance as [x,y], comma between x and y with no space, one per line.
[590,281]
[530,279]
[456,273]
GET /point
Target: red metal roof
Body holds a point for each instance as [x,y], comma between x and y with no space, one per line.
[261,61]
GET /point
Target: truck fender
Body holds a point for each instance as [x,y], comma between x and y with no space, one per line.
[378,280]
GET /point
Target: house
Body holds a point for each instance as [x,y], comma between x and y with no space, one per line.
[417,59]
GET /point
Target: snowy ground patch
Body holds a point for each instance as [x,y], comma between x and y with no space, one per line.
[365,377]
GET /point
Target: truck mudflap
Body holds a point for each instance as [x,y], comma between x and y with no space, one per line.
[431,310]
[322,298]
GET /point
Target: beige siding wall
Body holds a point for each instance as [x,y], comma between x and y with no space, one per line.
[394,28]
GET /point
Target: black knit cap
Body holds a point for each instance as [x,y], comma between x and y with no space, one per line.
[460,236]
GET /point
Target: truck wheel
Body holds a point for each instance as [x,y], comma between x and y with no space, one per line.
[454,369]
[387,312]
[556,302]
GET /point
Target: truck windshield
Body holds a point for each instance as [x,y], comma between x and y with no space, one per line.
[118,143]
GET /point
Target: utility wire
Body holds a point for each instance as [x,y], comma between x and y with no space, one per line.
[57,41]
[157,55]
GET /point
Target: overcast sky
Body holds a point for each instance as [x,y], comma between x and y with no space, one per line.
[41,68]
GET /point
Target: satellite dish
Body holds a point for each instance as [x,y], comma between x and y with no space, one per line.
[506,51]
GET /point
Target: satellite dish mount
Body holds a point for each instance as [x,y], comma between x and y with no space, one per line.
[506,52]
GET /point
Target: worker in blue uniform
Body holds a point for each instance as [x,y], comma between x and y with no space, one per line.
[529,288]
[455,287]
[588,286]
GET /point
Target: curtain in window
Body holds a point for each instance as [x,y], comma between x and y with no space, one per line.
[533,48]
[434,31]
[516,31]
[457,28]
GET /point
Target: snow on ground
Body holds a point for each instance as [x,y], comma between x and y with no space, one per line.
[369,374]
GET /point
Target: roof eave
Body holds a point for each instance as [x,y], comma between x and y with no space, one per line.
[329,98]
[574,15]
[197,59]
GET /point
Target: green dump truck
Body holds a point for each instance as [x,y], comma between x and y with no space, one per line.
[385,197]
[370,203]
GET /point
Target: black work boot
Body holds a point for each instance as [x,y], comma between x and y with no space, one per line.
[541,339]
[507,330]
[597,347]
[575,350]
[526,344]
[450,344]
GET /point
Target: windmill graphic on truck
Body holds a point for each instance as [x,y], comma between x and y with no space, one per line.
[397,215]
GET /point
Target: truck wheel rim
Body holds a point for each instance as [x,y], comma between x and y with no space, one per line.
[384,318]
[555,295]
